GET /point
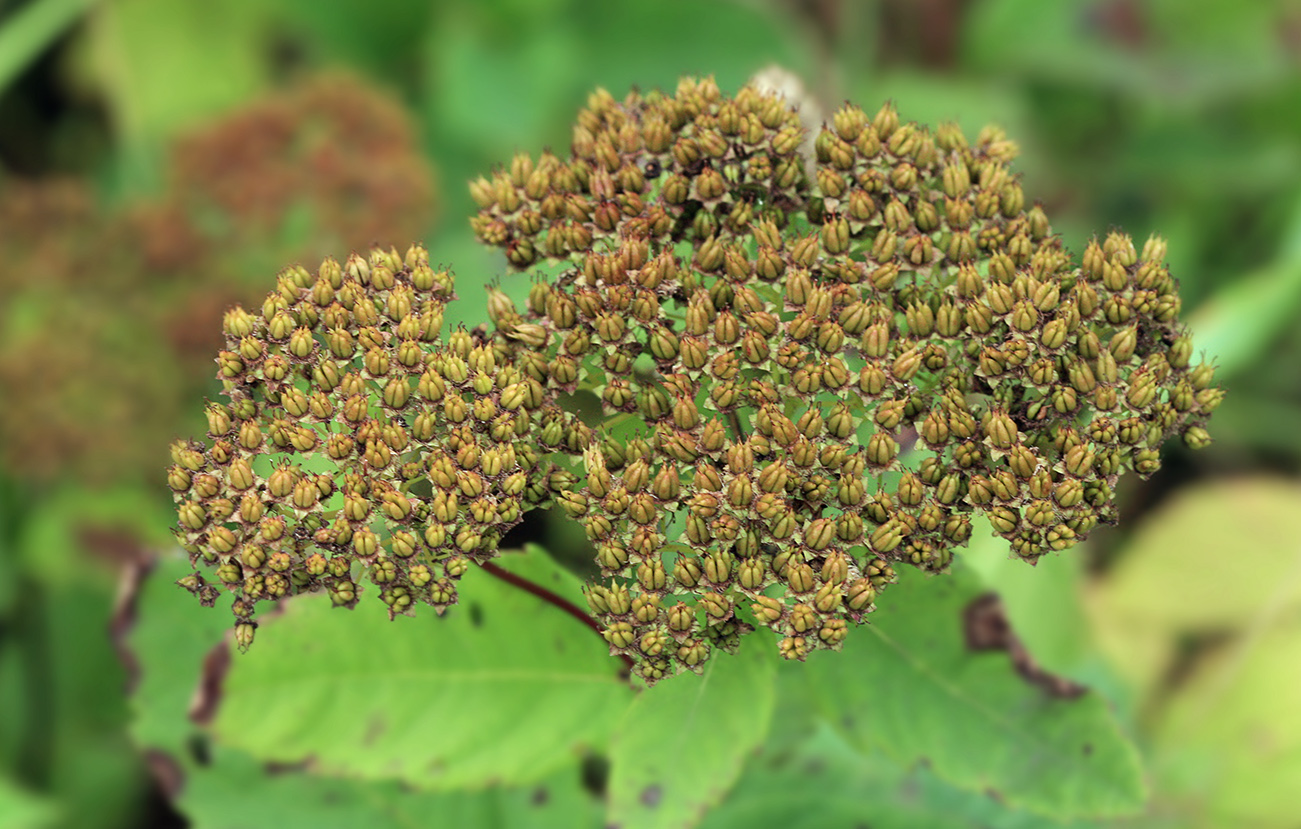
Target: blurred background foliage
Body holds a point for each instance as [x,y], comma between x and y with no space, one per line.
[160,160]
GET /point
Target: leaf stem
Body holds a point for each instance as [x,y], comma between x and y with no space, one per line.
[550,598]
[734,421]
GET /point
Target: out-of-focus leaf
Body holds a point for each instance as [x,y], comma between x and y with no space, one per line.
[54,545]
[1239,322]
[1184,52]
[1205,563]
[1243,318]
[164,66]
[1045,40]
[1228,748]
[20,809]
[683,742]
[1247,422]
[31,30]
[908,685]
[1207,559]
[501,689]
[78,712]
[383,36]
[503,77]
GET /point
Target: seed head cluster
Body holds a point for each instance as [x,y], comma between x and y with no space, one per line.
[811,371]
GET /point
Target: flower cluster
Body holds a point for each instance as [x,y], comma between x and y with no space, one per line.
[811,370]
[411,459]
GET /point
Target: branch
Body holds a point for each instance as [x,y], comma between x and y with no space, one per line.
[550,598]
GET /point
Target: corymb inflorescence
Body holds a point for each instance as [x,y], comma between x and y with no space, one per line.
[812,371]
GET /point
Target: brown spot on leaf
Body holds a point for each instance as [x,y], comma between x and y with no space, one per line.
[207,697]
[166,771]
[540,796]
[200,750]
[651,796]
[116,545]
[274,769]
[1123,22]
[986,627]
[374,730]
[123,620]
[595,771]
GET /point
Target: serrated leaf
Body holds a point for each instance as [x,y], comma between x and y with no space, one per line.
[824,783]
[908,685]
[502,689]
[682,744]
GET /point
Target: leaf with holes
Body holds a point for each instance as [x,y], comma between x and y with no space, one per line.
[503,689]
[221,788]
[909,685]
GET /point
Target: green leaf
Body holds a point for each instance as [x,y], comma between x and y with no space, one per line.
[1209,561]
[64,713]
[502,689]
[683,742]
[51,546]
[1042,602]
[1212,49]
[1210,558]
[171,636]
[908,685]
[31,30]
[20,809]
[163,67]
[1242,320]
[222,788]
[1247,315]
[236,792]
[824,783]
[1228,749]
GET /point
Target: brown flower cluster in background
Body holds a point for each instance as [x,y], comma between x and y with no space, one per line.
[335,158]
[807,380]
[111,316]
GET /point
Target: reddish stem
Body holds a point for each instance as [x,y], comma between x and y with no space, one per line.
[550,598]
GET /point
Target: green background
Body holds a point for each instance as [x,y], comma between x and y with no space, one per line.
[1178,117]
